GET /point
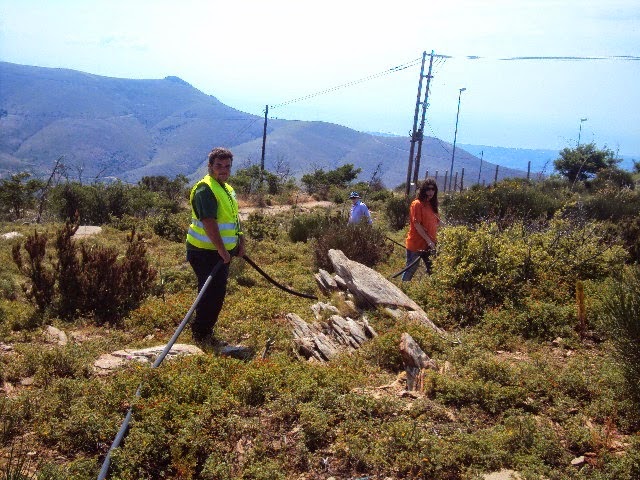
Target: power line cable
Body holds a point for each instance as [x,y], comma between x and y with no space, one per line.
[390,146]
[242,130]
[551,58]
[388,71]
[434,136]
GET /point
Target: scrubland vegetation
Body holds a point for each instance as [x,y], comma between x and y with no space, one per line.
[537,285]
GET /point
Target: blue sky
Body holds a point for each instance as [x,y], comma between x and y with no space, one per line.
[252,53]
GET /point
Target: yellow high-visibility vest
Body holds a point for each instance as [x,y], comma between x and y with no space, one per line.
[228,221]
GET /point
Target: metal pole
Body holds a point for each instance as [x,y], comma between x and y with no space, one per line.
[415,126]
[425,105]
[580,130]
[125,424]
[455,135]
[480,170]
[264,141]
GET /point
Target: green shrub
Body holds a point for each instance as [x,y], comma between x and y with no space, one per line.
[627,232]
[96,281]
[622,311]
[534,319]
[8,286]
[126,223]
[508,200]
[490,396]
[613,177]
[316,426]
[478,270]
[99,203]
[260,227]
[360,242]
[172,227]
[45,365]
[16,197]
[383,350]
[304,227]
[610,204]
[41,275]
[396,211]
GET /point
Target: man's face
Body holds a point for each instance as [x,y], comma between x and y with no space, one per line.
[220,169]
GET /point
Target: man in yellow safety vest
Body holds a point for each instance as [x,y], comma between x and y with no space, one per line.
[214,235]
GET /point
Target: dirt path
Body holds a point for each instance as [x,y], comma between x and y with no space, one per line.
[274,209]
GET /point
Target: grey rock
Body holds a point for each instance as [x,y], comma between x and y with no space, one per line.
[578,461]
[55,335]
[325,282]
[503,474]
[371,288]
[11,235]
[86,231]
[111,361]
[321,310]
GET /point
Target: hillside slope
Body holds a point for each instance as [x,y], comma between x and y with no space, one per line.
[130,128]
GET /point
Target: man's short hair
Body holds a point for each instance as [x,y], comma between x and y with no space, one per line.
[220,153]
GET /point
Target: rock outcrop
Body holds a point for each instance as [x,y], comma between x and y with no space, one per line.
[333,333]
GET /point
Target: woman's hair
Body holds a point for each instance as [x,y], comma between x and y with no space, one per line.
[422,193]
[220,153]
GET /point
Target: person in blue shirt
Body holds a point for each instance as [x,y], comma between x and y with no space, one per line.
[359,210]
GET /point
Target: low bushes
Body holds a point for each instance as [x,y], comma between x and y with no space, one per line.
[305,227]
[507,200]
[93,280]
[622,310]
[396,211]
[477,270]
[361,243]
[259,226]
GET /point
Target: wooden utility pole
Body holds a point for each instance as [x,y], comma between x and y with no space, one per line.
[414,132]
[425,105]
[264,142]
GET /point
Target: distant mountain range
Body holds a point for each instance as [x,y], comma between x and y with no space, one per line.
[541,161]
[112,127]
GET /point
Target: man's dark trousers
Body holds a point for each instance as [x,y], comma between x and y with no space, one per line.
[210,305]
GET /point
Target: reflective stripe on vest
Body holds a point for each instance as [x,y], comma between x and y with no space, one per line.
[227,217]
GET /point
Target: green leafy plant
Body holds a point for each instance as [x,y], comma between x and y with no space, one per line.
[304,227]
[41,275]
[622,310]
[94,281]
[173,227]
[360,242]
[396,211]
[260,227]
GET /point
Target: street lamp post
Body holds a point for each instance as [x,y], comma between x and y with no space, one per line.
[455,136]
[580,130]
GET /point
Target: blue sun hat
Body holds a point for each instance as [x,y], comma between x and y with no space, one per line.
[354,195]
